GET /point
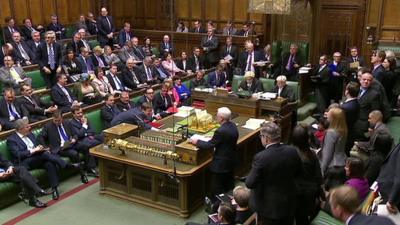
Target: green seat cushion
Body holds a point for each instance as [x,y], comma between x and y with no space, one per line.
[325,219]
[268,84]
[95,121]
[236,82]
[69,32]
[46,98]
[93,43]
[136,99]
[37,79]
[295,86]
[306,110]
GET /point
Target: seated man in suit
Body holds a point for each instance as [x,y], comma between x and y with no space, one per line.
[98,58]
[84,40]
[12,75]
[62,96]
[291,62]
[197,27]
[250,83]
[124,103]
[165,46]
[9,29]
[137,49]
[147,97]
[198,81]
[22,52]
[34,42]
[85,61]
[58,136]
[76,44]
[27,152]
[86,137]
[109,110]
[196,61]
[283,90]
[131,75]
[140,116]
[125,34]
[163,101]
[28,28]
[345,203]
[19,174]
[116,80]
[217,78]
[57,27]
[10,110]
[148,73]
[36,108]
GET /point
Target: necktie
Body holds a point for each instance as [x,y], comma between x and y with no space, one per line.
[355,59]
[62,132]
[108,22]
[88,67]
[15,75]
[13,112]
[229,31]
[135,78]
[209,38]
[228,50]
[67,94]
[128,37]
[216,79]
[52,61]
[137,50]
[76,47]
[149,76]
[289,63]
[165,101]
[101,64]
[362,92]
[246,34]
[33,102]
[167,46]
[23,52]
[121,86]
[196,60]
[248,68]
[162,74]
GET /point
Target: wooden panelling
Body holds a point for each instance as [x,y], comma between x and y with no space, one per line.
[5,10]
[373,12]
[48,8]
[196,7]
[225,14]
[391,14]
[182,8]
[35,11]
[212,7]
[240,10]
[63,12]
[21,10]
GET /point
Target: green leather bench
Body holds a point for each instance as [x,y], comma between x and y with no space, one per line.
[93,43]
[37,79]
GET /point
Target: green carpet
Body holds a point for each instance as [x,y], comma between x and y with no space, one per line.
[88,207]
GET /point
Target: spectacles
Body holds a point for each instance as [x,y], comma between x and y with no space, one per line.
[261,135]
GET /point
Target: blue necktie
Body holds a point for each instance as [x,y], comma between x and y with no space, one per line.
[120,84]
[52,61]
[63,134]
[13,113]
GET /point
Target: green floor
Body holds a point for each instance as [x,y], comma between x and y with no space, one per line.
[88,207]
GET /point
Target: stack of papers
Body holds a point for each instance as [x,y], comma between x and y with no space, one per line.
[253,124]
[209,90]
[200,137]
[304,70]
[184,111]
[268,95]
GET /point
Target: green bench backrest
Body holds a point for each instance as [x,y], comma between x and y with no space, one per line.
[37,79]
[93,43]
[69,32]
[95,120]
[296,88]
[4,150]
[303,49]
[268,84]
[324,219]
[236,82]
[46,98]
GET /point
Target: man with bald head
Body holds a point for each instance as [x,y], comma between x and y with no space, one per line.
[131,75]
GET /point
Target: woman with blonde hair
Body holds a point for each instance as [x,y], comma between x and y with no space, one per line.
[333,154]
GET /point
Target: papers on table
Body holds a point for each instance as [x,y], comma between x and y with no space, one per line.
[184,111]
[253,124]
[268,95]
[200,137]
[304,70]
[382,211]
[209,90]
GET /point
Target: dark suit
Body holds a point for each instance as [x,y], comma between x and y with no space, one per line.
[197,83]
[138,51]
[96,62]
[378,73]
[211,54]
[43,61]
[351,110]
[121,87]
[183,66]
[107,114]
[215,79]
[85,64]
[198,30]
[92,27]
[272,182]
[255,87]
[320,78]
[142,100]
[286,92]
[7,34]
[35,107]
[5,114]
[61,99]
[71,69]
[18,55]
[233,52]
[192,65]
[165,49]
[22,176]
[359,219]
[292,72]
[22,156]
[34,46]
[122,37]
[224,159]
[144,76]
[132,116]
[75,46]
[337,82]
[351,72]
[125,106]
[128,76]
[26,32]
[105,25]
[87,137]
[243,62]
[388,179]
[244,33]
[57,28]
[162,103]
[368,102]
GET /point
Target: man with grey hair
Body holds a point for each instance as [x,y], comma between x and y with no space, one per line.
[283,90]
[224,158]
[271,178]
[291,62]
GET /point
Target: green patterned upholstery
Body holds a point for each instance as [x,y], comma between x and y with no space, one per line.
[324,219]
[268,84]
[37,79]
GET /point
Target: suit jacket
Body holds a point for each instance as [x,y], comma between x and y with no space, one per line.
[359,219]
[192,63]
[212,80]
[43,58]
[224,143]
[27,33]
[125,106]
[162,103]
[243,33]
[138,51]
[232,31]
[143,75]
[70,69]
[61,99]
[284,61]
[4,114]
[180,65]
[57,28]
[142,100]
[96,61]
[75,46]
[243,58]
[163,48]
[92,27]
[132,116]
[272,181]
[211,53]
[360,60]
[196,83]
[122,37]
[287,92]
[127,77]
[49,136]
[256,86]
[104,28]
[321,77]
[369,101]
[333,153]
[7,80]
[113,84]
[31,108]
[32,45]
[368,146]
[18,55]
[107,114]
[85,64]
[233,53]
[352,110]
[81,132]
[8,35]
[199,30]
[18,149]
[388,179]
[378,73]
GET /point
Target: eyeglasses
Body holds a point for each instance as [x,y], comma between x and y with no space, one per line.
[261,135]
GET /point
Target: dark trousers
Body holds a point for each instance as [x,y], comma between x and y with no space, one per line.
[85,144]
[322,97]
[27,181]
[47,161]
[73,154]
[49,79]
[221,183]
[268,221]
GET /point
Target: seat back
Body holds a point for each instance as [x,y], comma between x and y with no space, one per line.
[69,32]
[37,79]
[268,84]
[236,82]
[93,43]
[303,49]
[296,88]
[4,150]
[325,219]
[95,120]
